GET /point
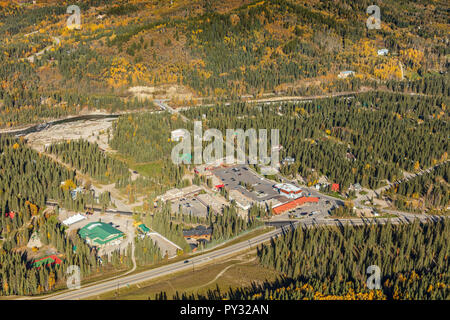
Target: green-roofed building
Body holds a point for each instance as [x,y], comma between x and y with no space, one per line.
[100,234]
[143,228]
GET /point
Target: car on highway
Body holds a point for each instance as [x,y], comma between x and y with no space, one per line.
[186,261]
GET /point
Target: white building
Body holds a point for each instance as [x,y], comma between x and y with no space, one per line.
[288,160]
[288,190]
[74,219]
[383,52]
[178,134]
[345,74]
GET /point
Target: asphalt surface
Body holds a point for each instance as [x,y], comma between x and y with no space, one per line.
[231,176]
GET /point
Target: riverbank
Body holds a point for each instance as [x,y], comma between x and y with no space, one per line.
[93,115]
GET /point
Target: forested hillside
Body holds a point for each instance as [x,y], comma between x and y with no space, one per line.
[368,138]
[89,159]
[331,263]
[353,105]
[208,48]
[27,181]
[430,190]
[145,137]
[144,142]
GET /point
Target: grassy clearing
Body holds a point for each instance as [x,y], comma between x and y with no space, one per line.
[335,195]
[239,271]
[148,169]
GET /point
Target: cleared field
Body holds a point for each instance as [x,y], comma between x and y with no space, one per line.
[237,272]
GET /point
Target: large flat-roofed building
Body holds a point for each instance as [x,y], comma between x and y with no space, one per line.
[199,232]
[242,201]
[293,204]
[171,194]
[191,190]
[288,190]
[74,219]
[100,234]
[211,201]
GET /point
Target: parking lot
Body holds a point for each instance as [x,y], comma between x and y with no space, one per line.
[189,206]
[318,210]
[231,176]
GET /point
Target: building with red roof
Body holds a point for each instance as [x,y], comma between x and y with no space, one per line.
[335,187]
[50,260]
[10,214]
[293,204]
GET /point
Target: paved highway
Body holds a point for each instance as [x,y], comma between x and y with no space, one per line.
[111,285]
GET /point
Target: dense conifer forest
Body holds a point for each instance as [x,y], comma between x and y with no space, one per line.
[28,180]
[145,137]
[212,50]
[366,138]
[430,190]
[331,263]
[89,159]
[352,104]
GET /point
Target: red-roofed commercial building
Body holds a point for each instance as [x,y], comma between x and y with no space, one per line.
[293,204]
[10,214]
[335,187]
